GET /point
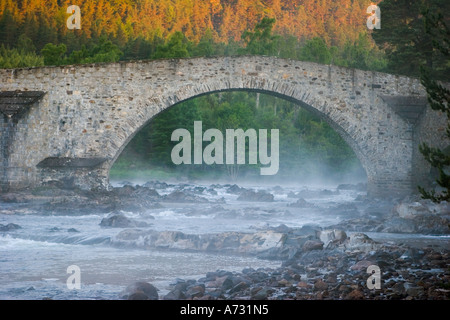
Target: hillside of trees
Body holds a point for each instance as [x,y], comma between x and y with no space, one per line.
[145,29]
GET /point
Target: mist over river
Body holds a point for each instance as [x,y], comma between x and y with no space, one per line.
[38,246]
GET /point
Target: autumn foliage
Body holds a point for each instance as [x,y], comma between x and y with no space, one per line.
[43,21]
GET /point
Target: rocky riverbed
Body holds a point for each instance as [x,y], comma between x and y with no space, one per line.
[317,261]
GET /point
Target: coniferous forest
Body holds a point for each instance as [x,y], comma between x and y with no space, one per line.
[34,33]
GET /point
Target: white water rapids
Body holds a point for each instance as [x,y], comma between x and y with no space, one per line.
[34,259]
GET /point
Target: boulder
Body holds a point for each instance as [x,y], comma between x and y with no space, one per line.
[320,285]
[334,235]
[360,242]
[355,294]
[310,245]
[9,227]
[118,220]
[115,220]
[235,189]
[156,185]
[250,195]
[181,196]
[195,291]
[410,210]
[362,265]
[301,203]
[140,291]
[399,225]
[262,293]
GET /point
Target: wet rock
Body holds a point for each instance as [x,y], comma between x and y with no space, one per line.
[348,186]
[310,245]
[72,230]
[281,228]
[11,197]
[320,285]
[156,185]
[307,230]
[278,189]
[175,294]
[262,293]
[250,195]
[399,289]
[9,227]
[118,220]
[140,291]
[414,291]
[399,225]
[432,224]
[410,210]
[303,284]
[212,191]
[224,283]
[138,296]
[115,221]
[181,196]
[335,236]
[126,190]
[143,192]
[360,242]
[178,292]
[195,291]
[301,203]
[355,294]
[346,209]
[239,287]
[327,192]
[362,265]
[235,189]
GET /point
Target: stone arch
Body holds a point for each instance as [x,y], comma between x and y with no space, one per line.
[90,112]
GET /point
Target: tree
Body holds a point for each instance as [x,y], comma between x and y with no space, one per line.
[316,50]
[206,46]
[53,54]
[14,58]
[261,40]
[104,51]
[138,49]
[175,47]
[439,99]
[8,29]
[403,36]
[360,54]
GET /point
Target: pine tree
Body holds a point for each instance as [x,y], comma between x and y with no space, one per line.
[439,99]
[53,54]
[175,47]
[8,29]
[403,37]
[261,40]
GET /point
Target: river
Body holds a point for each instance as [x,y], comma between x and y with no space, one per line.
[34,259]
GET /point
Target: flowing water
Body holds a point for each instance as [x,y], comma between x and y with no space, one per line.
[35,258]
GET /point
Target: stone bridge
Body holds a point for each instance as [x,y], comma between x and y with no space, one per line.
[71,123]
